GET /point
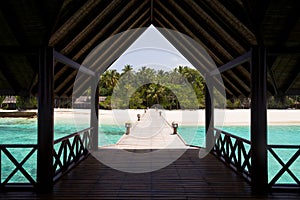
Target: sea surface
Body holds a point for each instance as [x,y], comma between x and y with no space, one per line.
[24,131]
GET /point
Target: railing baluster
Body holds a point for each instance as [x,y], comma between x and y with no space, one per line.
[231,152]
[65,157]
[71,152]
[239,162]
[285,167]
[239,158]
[18,165]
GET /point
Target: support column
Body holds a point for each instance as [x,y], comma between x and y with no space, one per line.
[259,169]
[94,112]
[45,169]
[209,117]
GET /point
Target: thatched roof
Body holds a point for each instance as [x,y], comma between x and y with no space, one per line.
[226,29]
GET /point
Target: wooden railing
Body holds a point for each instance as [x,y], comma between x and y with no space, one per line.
[285,166]
[70,150]
[27,179]
[234,151]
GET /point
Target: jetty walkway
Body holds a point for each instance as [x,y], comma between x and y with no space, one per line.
[151,132]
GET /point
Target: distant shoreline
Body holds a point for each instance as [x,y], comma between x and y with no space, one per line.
[19,114]
[227,117]
[186,117]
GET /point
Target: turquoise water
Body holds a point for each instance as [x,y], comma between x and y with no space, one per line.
[24,131]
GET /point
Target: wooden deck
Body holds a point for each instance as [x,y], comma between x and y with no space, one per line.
[105,174]
[151,132]
[187,178]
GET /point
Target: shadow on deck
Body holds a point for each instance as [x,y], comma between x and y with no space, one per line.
[187,178]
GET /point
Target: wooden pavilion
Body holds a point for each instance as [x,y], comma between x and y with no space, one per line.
[254,44]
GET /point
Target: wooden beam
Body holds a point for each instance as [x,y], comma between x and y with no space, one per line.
[214,26]
[231,20]
[90,26]
[67,61]
[255,10]
[69,25]
[101,35]
[236,62]
[94,122]
[45,169]
[184,29]
[209,116]
[259,161]
[114,50]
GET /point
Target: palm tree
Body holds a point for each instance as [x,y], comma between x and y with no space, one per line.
[145,75]
[108,80]
[155,93]
[127,68]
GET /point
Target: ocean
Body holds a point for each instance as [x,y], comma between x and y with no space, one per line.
[24,131]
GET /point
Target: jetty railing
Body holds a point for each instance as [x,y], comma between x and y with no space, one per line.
[291,166]
[14,163]
[70,150]
[234,151]
[19,161]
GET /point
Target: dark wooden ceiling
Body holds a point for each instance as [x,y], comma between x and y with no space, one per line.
[227,29]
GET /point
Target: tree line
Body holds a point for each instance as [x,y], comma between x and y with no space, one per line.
[150,87]
[182,87]
[179,88]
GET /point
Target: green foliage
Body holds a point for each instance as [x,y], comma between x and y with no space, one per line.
[2,99]
[146,87]
[171,89]
[281,102]
[26,102]
[233,103]
[105,104]
[108,81]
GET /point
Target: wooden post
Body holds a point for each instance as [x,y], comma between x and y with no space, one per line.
[94,112]
[209,117]
[45,169]
[259,169]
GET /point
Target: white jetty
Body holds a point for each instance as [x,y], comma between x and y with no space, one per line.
[151,132]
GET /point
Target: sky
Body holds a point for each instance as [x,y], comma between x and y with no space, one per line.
[152,50]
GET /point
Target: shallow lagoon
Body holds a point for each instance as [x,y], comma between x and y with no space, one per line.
[24,131]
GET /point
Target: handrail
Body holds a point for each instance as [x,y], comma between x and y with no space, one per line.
[231,150]
[234,136]
[72,135]
[18,145]
[71,152]
[285,146]
[226,149]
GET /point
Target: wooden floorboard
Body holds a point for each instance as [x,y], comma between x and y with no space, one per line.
[187,178]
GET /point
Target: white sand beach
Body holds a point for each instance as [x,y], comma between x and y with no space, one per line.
[182,117]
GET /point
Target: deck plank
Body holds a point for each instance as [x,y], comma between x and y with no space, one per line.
[150,145]
[187,178]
